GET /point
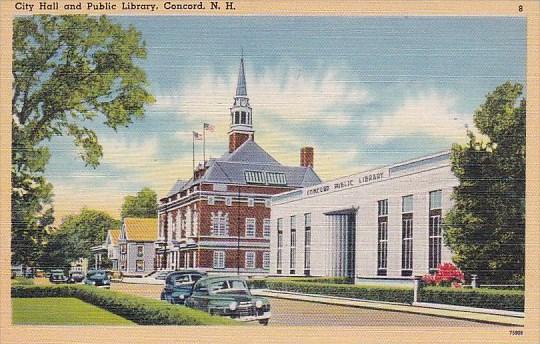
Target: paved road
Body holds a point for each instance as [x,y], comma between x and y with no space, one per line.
[300,313]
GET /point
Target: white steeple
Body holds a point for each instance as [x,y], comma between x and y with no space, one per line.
[241,128]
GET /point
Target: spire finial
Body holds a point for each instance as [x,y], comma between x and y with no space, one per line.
[241,89]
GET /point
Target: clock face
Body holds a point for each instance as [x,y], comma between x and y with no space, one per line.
[243,102]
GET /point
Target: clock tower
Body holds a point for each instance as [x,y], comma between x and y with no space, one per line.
[241,128]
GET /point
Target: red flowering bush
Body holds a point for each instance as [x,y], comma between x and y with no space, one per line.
[447,275]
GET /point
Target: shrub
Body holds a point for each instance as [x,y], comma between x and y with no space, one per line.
[511,300]
[22,281]
[257,283]
[366,292]
[140,310]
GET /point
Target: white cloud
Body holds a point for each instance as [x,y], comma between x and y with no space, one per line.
[127,151]
[424,114]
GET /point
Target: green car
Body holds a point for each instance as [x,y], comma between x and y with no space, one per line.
[230,297]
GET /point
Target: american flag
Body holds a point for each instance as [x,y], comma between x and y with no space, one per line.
[197,136]
[209,127]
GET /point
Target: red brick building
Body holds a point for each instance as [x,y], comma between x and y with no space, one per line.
[219,220]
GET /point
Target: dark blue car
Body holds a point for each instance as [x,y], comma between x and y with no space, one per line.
[178,285]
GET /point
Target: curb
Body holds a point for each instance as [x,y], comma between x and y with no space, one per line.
[395,307]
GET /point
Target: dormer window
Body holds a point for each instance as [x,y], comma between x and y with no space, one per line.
[267,178]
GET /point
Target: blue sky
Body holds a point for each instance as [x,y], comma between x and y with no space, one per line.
[363,91]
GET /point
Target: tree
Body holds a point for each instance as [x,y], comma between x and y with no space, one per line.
[486,226]
[68,71]
[76,235]
[144,204]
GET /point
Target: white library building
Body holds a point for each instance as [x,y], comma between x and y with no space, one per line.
[382,224]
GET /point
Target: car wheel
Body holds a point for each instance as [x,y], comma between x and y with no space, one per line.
[264,322]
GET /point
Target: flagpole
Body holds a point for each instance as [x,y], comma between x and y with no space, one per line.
[204,145]
[193,138]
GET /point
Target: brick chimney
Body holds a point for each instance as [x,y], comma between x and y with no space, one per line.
[306,157]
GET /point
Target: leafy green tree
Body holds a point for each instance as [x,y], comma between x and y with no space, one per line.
[144,204]
[76,235]
[486,227]
[68,71]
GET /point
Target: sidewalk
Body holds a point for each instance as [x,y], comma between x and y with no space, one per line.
[510,318]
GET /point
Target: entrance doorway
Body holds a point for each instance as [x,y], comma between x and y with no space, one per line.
[341,243]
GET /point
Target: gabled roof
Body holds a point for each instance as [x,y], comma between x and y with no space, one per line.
[140,229]
[113,235]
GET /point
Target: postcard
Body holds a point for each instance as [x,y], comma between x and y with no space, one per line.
[232,171]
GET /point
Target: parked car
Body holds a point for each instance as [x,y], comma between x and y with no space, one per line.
[57,276]
[98,278]
[230,297]
[178,285]
[75,277]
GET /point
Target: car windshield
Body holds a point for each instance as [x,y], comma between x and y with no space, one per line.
[228,287]
[97,276]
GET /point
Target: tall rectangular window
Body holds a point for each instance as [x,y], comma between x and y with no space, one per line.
[307,244]
[266,260]
[139,265]
[382,238]
[250,260]
[279,259]
[219,260]
[140,250]
[266,228]
[292,261]
[407,236]
[435,231]
[250,227]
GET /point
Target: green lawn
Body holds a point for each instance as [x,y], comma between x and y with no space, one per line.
[61,311]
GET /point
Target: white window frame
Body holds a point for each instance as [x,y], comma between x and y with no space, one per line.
[211,200]
[137,266]
[266,260]
[219,260]
[142,250]
[251,227]
[251,202]
[228,201]
[250,260]
[267,228]
[220,224]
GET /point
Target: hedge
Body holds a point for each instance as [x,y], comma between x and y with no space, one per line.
[140,310]
[511,300]
[22,281]
[365,292]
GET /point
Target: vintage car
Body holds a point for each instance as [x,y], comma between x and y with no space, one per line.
[75,277]
[230,297]
[178,285]
[57,276]
[98,278]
